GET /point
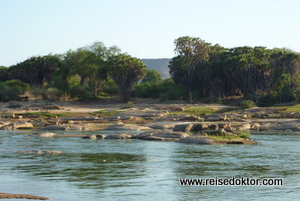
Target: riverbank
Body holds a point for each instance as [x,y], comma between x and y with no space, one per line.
[199,121]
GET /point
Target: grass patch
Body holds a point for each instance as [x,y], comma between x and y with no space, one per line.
[292,108]
[204,110]
[218,138]
[106,113]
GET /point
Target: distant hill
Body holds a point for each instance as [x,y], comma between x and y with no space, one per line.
[160,65]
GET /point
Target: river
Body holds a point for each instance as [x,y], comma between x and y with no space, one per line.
[147,170]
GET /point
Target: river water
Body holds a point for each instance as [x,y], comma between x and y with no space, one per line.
[147,170]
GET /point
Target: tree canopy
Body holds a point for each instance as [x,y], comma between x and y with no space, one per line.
[126,71]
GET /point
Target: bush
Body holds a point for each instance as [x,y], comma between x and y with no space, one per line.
[18,83]
[83,93]
[8,93]
[247,104]
[164,90]
[46,93]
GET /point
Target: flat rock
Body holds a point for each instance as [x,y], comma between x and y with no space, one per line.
[119,136]
[160,136]
[190,118]
[57,127]
[196,140]
[127,127]
[82,118]
[161,125]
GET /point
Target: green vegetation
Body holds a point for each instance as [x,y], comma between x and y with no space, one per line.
[12,89]
[247,104]
[199,71]
[204,110]
[240,135]
[295,108]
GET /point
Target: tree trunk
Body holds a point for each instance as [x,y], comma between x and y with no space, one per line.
[189,98]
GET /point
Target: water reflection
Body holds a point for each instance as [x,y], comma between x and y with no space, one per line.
[94,170]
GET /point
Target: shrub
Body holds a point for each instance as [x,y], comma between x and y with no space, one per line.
[46,93]
[8,93]
[247,104]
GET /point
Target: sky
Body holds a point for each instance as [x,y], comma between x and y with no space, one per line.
[143,28]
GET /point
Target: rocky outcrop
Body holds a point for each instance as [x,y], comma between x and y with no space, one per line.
[160,136]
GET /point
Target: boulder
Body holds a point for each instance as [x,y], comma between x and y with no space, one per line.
[21,124]
[4,123]
[94,137]
[17,125]
[213,126]
[287,115]
[100,136]
[45,134]
[296,115]
[8,116]
[243,127]
[57,127]
[7,127]
[76,127]
[190,118]
[215,117]
[196,140]
[119,136]
[183,127]
[160,136]
[200,127]
[224,125]
[255,126]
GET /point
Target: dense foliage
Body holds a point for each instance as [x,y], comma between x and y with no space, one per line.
[263,75]
[198,70]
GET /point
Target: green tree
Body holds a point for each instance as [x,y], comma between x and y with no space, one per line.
[152,76]
[192,52]
[126,71]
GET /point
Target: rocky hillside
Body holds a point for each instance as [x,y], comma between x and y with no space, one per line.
[160,65]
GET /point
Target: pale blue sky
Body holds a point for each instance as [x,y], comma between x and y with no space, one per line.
[143,28]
